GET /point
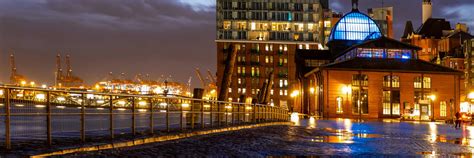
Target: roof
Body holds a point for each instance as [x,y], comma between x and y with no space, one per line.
[382,42]
[408,29]
[394,65]
[460,34]
[355,26]
[433,27]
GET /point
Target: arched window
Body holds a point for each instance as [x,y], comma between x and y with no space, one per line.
[422,83]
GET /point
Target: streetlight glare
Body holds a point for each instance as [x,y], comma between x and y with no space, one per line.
[470,95]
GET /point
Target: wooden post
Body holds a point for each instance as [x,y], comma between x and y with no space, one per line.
[111,117]
[83,115]
[152,130]
[8,144]
[48,119]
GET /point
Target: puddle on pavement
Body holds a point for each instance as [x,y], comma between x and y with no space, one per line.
[342,136]
[458,141]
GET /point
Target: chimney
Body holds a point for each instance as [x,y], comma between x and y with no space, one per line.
[355,5]
[427,10]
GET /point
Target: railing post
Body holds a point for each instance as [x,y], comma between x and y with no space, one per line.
[48,118]
[167,114]
[210,113]
[181,115]
[202,114]
[8,144]
[232,112]
[226,114]
[133,115]
[218,114]
[238,114]
[83,114]
[192,113]
[111,117]
[254,113]
[152,130]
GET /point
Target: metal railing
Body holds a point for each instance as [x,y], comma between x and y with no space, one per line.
[33,114]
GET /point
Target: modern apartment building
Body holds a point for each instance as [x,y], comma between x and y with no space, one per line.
[267,34]
[384,18]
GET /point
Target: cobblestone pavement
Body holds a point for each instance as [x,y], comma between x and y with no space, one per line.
[317,138]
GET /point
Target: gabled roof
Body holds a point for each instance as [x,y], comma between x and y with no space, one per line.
[408,29]
[460,34]
[382,42]
[393,65]
[433,27]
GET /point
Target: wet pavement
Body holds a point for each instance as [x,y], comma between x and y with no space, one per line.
[338,137]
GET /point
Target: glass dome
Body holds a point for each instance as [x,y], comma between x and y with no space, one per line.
[355,26]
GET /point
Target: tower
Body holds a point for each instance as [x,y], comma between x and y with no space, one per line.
[427,10]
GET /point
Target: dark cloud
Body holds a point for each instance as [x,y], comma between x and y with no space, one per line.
[142,36]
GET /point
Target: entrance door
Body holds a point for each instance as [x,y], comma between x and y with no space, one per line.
[424,111]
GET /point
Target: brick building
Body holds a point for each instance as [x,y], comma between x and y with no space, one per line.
[368,75]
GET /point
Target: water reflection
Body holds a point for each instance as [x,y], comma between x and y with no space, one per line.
[295,118]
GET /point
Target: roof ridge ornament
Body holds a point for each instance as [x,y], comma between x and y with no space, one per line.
[355,5]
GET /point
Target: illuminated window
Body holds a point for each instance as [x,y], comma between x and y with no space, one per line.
[253,71]
[253,91]
[237,46]
[300,46]
[310,27]
[230,99]
[286,83]
[285,48]
[239,90]
[239,71]
[307,46]
[258,71]
[266,47]
[339,105]
[243,70]
[271,92]
[286,92]
[442,108]
[327,24]
[252,26]
[239,80]
[226,25]
[285,60]
[266,59]
[230,90]
[425,82]
[281,83]
[395,81]
[355,26]
[271,47]
[280,48]
[244,90]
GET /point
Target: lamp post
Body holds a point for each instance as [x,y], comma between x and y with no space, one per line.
[346,89]
[432,99]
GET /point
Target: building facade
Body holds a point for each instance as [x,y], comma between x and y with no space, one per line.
[368,75]
[266,34]
[384,18]
[469,64]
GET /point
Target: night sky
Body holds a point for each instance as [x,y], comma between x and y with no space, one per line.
[159,37]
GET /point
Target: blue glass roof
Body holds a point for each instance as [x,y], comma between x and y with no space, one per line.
[355,26]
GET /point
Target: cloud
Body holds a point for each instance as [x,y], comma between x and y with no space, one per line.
[460,13]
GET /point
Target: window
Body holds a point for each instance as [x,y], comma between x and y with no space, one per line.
[386,102]
[239,80]
[395,80]
[267,59]
[230,90]
[442,108]
[425,82]
[339,105]
[360,78]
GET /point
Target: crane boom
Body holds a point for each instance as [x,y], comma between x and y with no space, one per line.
[211,77]
[198,73]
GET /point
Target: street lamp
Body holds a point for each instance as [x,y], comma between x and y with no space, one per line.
[432,99]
